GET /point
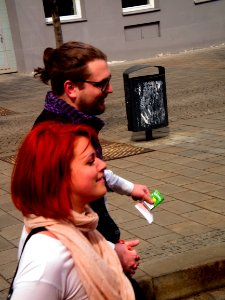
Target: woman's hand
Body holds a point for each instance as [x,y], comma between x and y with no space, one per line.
[128,257]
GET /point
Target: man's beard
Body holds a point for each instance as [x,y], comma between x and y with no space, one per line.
[96,108]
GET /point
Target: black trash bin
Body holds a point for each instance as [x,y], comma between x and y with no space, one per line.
[146,101]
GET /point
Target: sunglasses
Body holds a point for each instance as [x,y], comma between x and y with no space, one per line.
[102,85]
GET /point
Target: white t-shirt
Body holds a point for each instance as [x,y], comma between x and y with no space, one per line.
[46,271]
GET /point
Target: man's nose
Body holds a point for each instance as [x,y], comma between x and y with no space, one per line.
[109,88]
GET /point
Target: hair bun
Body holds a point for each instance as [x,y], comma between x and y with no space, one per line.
[48,56]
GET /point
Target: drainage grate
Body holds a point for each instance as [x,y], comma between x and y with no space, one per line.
[5,111]
[9,159]
[111,150]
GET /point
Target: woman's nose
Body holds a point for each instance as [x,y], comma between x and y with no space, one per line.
[101,164]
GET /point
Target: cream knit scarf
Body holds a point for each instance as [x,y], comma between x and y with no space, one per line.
[97,264]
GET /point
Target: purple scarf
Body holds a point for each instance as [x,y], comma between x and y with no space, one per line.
[61,108]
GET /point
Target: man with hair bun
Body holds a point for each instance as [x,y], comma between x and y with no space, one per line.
[80,83]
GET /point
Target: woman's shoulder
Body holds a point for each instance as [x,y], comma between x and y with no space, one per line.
[47,252]
[47,261]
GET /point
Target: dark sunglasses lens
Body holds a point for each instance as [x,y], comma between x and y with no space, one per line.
[105,84]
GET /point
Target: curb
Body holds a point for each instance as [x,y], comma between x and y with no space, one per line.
[184,283]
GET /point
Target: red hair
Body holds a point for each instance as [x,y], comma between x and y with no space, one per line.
[41,178]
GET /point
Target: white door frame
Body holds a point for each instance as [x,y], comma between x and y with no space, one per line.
[7,54]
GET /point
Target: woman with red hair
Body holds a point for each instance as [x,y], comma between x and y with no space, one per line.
[56,175]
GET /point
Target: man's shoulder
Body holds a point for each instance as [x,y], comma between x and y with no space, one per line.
[46,115]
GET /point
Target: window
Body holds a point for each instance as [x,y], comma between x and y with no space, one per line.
[202,1]
[69,10]
[137,5]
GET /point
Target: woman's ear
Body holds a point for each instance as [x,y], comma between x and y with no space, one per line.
[70,89]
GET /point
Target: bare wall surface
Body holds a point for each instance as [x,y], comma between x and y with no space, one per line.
[173,26]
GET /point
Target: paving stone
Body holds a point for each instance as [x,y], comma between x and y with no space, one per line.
[170,189]
[179,180]
[7,220]
[4,285]
[123,215]
[191,196]
[216,205]
[134,224]
[8,206]
[180,207]
[218,170]
[8,270]
[203,187]
[217,193]
[8,256]
[188,228]
[213,178]
[4,244]
[218,294]
[165,218]
[204,216]
[147,232]
[12,232]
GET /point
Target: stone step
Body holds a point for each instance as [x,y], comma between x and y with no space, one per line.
[185,274]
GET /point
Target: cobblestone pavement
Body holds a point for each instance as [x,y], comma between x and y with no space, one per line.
[186,242]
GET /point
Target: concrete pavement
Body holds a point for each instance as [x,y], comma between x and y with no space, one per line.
[183,251]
